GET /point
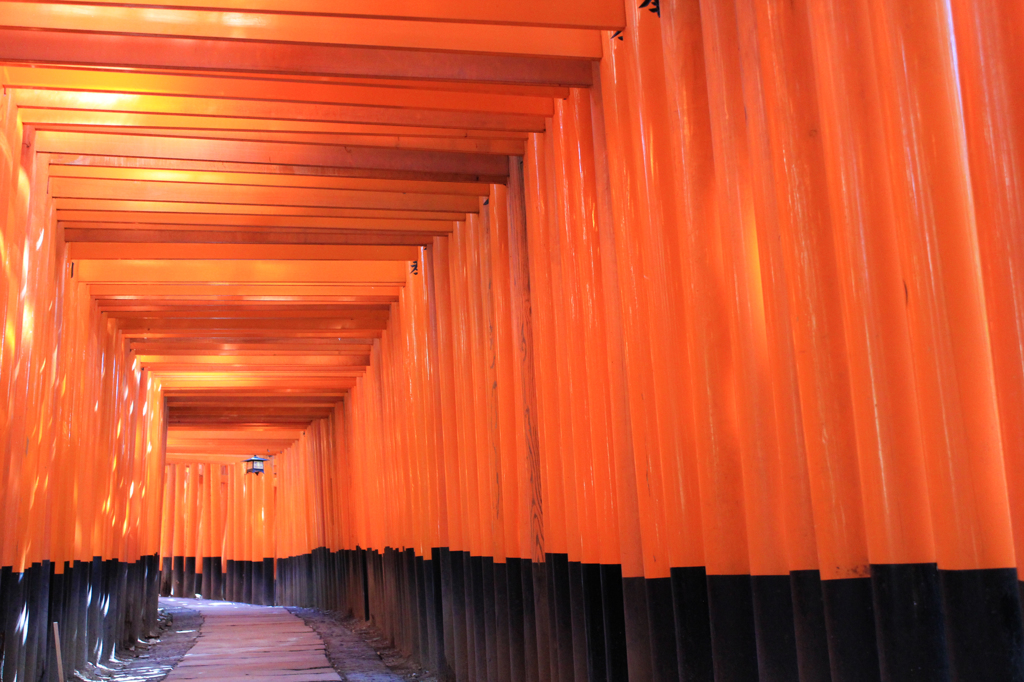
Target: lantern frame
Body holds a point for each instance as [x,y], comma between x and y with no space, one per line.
[254,465]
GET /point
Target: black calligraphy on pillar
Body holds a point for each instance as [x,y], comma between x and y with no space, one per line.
[652,6]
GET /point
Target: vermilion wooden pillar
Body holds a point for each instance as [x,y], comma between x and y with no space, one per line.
[530,472]
[664,285]
[667,341]
[774,54]
[570,311]
[453,591]
[645,653]
[949,334]
[992,113]
[508,580]
[167,530]
[823,411]
[178,544]
[624,619]
[562,543]
[549,428]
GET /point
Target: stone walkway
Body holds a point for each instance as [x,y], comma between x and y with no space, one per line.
[245,643]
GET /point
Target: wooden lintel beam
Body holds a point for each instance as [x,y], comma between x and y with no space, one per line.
[212,459]
[183,251]
[138,234]
[268,152]
[479,183]
[284,177]
[253,291]
[267,89]
[295,421]
[187,402]
[214,193]
[169,311]
[257,386]
[371,222]
[254,361]
[256,272]
[185,210]
[288,27]
[144,121]
[364,323]
[188,437]
[252,332]
[271,110]
[440,143]
[297,402]
[181,400]
[215,346]
[239,367]
[605,14]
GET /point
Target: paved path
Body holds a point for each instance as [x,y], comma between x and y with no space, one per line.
[243,643]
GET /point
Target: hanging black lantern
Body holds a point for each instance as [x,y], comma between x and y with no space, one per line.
[254,465]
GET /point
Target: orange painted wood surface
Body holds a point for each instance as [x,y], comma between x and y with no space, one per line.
[718,292]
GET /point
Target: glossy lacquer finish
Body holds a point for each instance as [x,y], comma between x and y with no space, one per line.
[605,341]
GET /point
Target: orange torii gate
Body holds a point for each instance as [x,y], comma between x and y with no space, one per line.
[586,340]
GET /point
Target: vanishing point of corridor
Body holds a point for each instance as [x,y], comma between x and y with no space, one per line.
[548,341]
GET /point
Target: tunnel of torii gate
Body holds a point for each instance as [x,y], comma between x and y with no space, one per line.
[585,340]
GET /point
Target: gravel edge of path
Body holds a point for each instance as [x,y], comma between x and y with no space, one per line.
[154,658]
[358,651]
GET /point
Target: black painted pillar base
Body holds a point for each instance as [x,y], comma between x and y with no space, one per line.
[460,615]
[809,626]
[365,571]
[774,628]
[693,623]
[205,579]
[517,614]
[733,643]
[563,668]
[542,606]
[153,601]
[166,576]
[613,605]
[661,619]
[639,656]
[908,622]
[269,597]
[216,578]
[593,618]
[850,623]
[189,587]
[257,583]
[984,629]
[79,616]
[531,643]
[229,580]
[502,644]
[178,576]
[478,616]
[246,568]
[579,621]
